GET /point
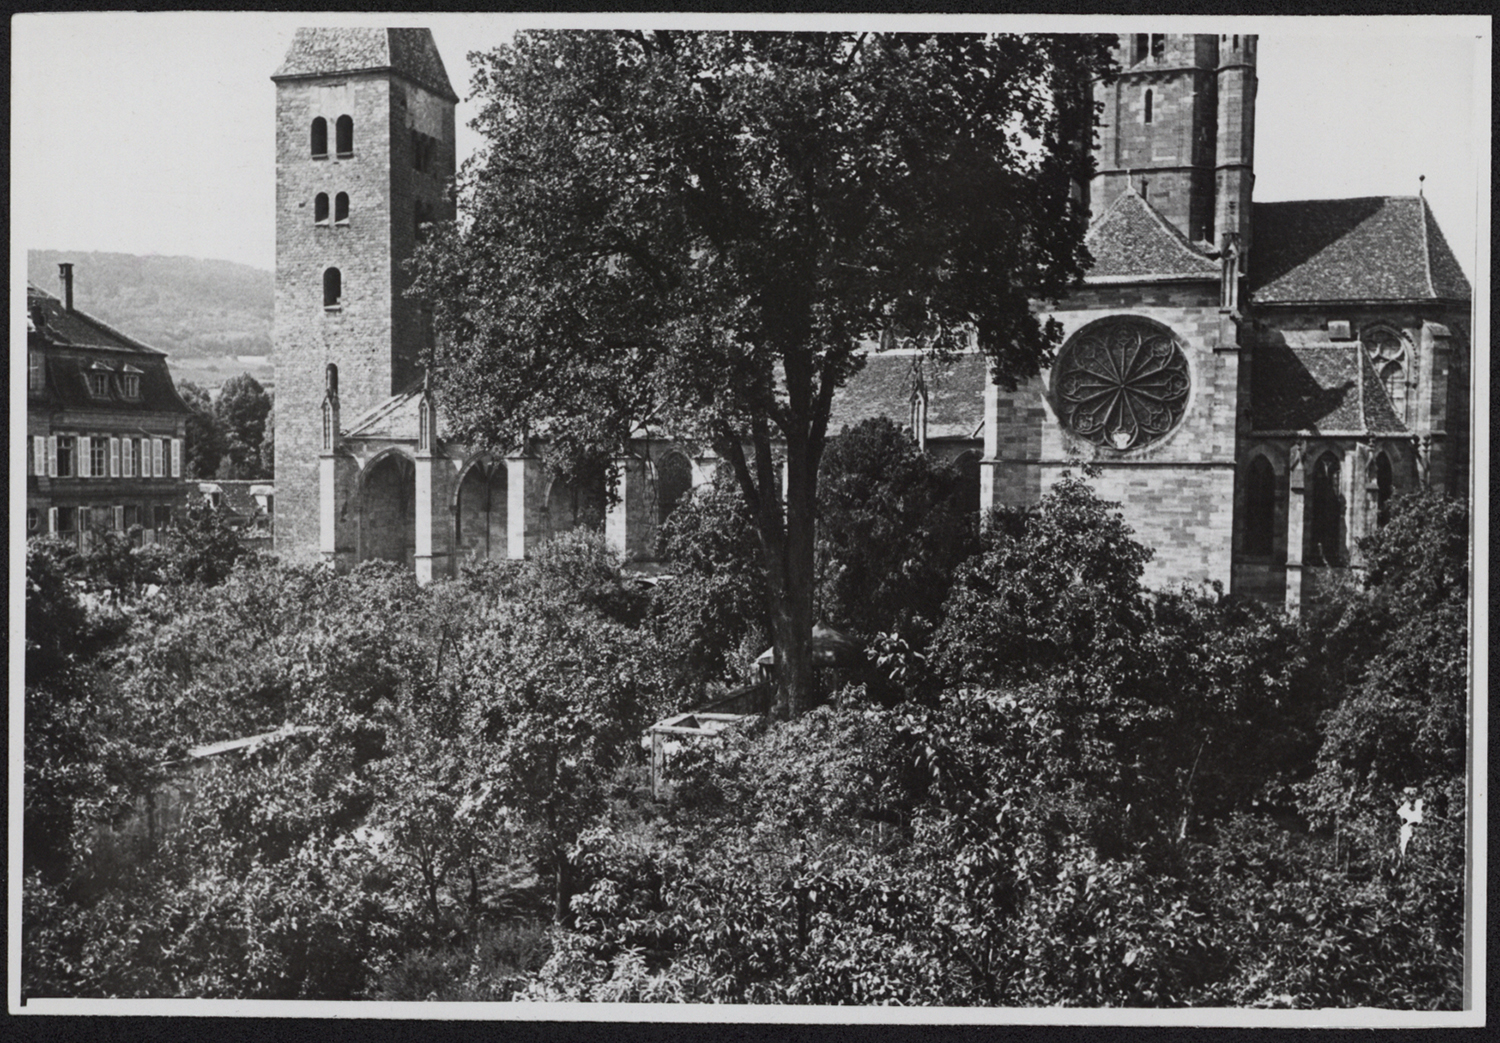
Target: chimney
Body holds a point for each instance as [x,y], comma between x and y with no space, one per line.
[65,273]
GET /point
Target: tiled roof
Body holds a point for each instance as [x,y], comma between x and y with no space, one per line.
[955,393]
[1369,249]
[409,52]
[71,343]
[1319,388]
[1131,240]
[395,418]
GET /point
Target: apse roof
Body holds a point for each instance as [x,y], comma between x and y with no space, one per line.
[1378,248]
[1132,241]
[411,53]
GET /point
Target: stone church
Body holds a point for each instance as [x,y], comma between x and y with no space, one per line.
[1255,381]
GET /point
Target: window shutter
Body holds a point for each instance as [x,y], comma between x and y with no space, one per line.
[119,519]
[176,458]
[157,469]
[39,455]
[52,460]
[85,458]
[51,519]
[114,458]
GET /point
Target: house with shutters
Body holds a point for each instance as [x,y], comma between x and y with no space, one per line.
[104,426]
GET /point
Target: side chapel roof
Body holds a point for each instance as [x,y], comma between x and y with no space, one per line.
[883,388]
[411,53]
[1378,248]
[1316,386]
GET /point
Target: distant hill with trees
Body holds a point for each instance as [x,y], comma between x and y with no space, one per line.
[184,306]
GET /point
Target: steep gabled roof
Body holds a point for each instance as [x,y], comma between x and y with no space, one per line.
[1131,241]
[50,318]
[411,53]
[1378,248]
[883,388]
[1317,386]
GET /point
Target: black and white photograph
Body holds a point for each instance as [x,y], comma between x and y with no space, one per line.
[883,519]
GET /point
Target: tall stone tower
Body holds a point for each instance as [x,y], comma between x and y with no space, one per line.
[1180,121]
[364,154]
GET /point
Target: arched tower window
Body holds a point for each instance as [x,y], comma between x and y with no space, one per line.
[319,138]
[344,135]
[1138,49]
[1260,508]
[1383,487]
[320,207]
[1326,513]
[333,288]
[1148,105]
[341,208]
[1158,46]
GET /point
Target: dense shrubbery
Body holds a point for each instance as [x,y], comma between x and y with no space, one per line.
[1076,791]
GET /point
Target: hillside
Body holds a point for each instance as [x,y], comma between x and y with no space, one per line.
[181,305]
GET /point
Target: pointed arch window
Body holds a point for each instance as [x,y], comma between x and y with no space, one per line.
[1260,508]
[333,288]
[1387,351]
[1383,489]
[341,208]
[344,136]
[1325,530]
[320,138]
[320,208]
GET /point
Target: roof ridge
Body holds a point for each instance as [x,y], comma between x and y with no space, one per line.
[1426,245]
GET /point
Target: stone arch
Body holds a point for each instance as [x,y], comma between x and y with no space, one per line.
[674,482]
[1382,479]
[481,503]
[387,501]
[572,504]
[967,466]
[1327,534]
[1259,506]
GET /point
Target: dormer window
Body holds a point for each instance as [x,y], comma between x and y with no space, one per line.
[98,383]
[130,383]
[34,372]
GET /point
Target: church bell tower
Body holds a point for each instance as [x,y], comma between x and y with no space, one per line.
[365,149]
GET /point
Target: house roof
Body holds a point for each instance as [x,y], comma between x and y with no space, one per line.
[1132,241]
[1377,248]
[72,343]
[1318,387]
[883,388]
[411,53]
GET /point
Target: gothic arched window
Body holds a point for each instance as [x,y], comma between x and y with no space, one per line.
[1383,487]
[341,208]
[344,135]
[319,138]
[320,207]
[333,288]
[1387,351]
[1121,383]
[1260,508]
[1325,527]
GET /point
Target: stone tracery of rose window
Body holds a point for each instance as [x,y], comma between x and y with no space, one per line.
[1121,384]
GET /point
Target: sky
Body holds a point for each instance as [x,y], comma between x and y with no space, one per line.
[154,133]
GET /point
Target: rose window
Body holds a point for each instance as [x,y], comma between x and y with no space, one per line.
[1121,384]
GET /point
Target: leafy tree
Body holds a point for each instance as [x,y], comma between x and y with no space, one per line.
[242,410]
[205,548]
[205,439]
[891,532]
[702,228]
